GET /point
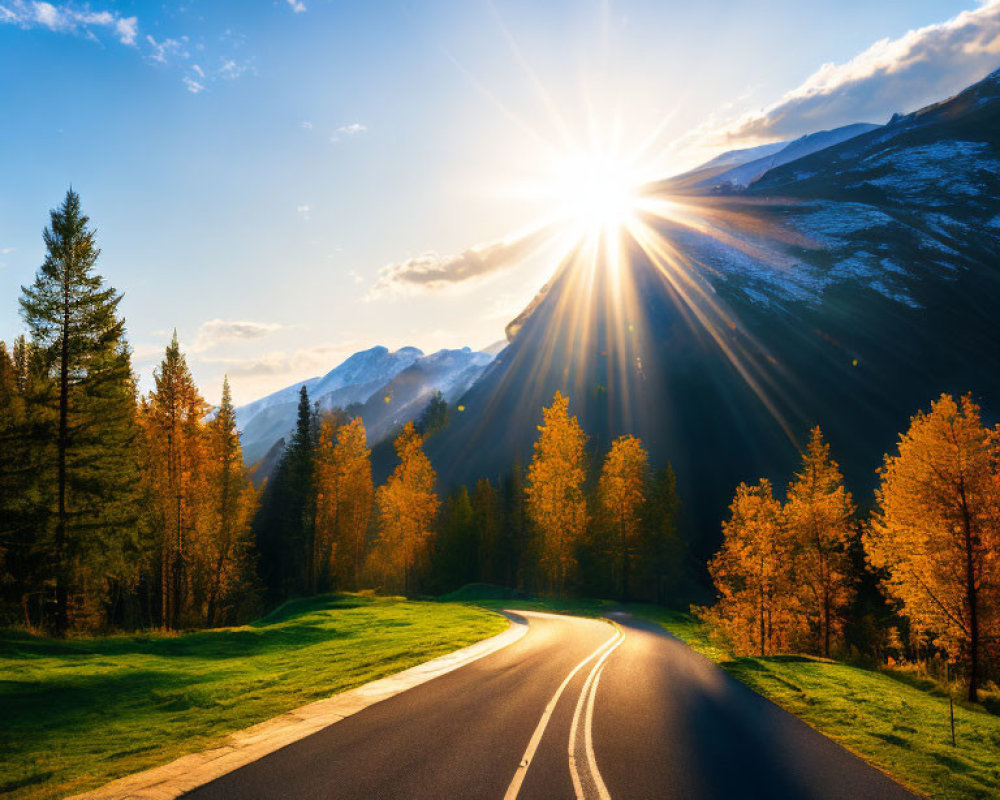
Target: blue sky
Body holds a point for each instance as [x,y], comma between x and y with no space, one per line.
[265,175]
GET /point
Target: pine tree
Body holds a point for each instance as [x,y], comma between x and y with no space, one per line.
[407,505]
[661,560]
[456,556]
[936,533]
[819,517]
[556,502]
[176,453]
[284,527]
[73,318]
[492,556]
[622,490]
[755,607]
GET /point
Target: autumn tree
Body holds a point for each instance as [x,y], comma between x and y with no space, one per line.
[556,503]
[936,533]
[407,505]
[755,597]
[622,490]
[819,520]
[73,319]
[232,501]
[175,470]
[355,493]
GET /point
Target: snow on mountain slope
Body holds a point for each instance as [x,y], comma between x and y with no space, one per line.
[742,175]
[360,380]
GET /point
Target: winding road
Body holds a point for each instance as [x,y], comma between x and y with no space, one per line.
[577,708]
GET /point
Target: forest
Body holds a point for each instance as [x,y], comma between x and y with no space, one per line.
[123,511]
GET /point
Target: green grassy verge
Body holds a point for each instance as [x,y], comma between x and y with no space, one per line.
[77,713]
[883,717]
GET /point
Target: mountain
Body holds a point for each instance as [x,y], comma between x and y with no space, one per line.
[742,170]
[847,288]
[390,388]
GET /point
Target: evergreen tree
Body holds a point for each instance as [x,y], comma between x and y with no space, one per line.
[456,553]
[73,318]
[661,555]
[435,416]
[283,529]
[492,556]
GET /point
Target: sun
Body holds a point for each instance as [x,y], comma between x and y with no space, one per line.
[596,192]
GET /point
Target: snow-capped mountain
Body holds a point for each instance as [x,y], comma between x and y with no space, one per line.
[848,288]
[390,387]
[749,165]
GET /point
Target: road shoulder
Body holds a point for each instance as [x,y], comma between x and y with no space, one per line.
[243,747]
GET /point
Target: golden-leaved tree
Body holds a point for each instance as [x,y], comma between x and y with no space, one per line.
[322,550]
[355,492]
[171,418]
[621,490]
[407,505]
[936,533]
[755,607]
[819,520]
[225,548]
[556,504]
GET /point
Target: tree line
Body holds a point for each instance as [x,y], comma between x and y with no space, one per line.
[127,510]
[788,573]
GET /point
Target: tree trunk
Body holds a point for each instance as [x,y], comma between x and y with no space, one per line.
[971,598]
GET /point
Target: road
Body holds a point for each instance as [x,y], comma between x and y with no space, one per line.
[577,708]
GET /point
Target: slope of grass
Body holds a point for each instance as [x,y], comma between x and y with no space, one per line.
[77,713]
[886,718]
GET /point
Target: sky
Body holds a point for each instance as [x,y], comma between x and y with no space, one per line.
[285,182]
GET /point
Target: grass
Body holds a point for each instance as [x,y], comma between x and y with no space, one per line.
[77,713]
[898,724]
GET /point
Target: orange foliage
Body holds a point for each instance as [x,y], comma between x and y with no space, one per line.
[556,503]
[937,531]
[407,505]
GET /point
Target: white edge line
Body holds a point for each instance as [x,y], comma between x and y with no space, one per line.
[250,744]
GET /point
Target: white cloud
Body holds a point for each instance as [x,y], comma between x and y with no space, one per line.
[219,331]
[306,125]
[892,75]
[7,250]
[231,68]
[69,18]
[431,271]
[351,129]
[192,85]
[167,48]
[297,6]
[303,210]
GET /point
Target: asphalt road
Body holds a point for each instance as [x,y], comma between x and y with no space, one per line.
[574,709]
